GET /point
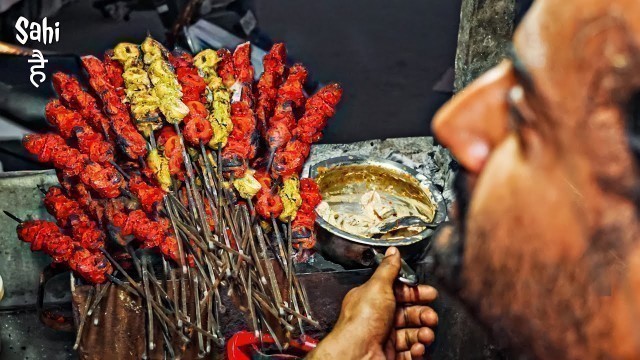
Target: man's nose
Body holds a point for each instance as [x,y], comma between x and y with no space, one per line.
[476,119]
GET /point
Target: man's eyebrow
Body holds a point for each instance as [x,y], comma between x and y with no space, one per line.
[520,70]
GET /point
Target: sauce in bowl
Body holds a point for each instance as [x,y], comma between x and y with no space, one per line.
[358,198]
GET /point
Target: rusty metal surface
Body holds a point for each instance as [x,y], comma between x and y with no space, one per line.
[121,327]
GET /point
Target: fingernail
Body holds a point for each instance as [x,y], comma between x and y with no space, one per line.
[391,251]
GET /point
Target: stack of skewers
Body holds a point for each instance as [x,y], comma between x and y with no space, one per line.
[180,180]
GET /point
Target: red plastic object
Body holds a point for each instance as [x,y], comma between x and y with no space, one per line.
[244,345]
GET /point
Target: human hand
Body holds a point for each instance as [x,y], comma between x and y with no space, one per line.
[382,319]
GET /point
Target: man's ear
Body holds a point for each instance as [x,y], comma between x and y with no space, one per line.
[476,119]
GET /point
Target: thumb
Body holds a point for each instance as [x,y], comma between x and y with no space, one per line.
[389,268]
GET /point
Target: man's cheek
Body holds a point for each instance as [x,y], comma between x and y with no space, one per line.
[494,223]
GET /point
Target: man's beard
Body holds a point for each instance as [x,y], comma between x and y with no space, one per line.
[579,285]
[448,254]
[462,190]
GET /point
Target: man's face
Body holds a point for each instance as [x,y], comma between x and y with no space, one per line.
[551,227]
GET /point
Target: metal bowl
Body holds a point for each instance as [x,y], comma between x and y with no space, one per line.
[352,250]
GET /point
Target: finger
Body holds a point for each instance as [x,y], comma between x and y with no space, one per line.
[405,338]
[415,295]
[415,316]
[405,355]
[417,350]
[388,270]
[390,348]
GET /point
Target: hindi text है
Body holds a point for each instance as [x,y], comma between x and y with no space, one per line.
[38,60]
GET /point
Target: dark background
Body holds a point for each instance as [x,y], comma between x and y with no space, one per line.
[394,59]
[387,55]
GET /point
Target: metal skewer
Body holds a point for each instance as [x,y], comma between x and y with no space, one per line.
[83,318]
[145,280]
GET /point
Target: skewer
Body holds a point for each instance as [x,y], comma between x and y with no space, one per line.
[83,318]
[134,290]
[251,309]
[207,191]
[289,254]
[193,235]
[190,184]
[272,277]
[210,321]
[96,302]
[196,295]
[42,189]
[145,280]
[176,295]
[134,258]
[144,292]
[199,265]
[271,332]
[179,209]
[15,218]
[120,170]
[243,243]
[158,310]
[136,287]
[302,293]
[181,275]
[168,346]
[161,293]
[280,243]
[204,332]
[301,318]
[252,210]
[264,304]
[292,293]
[221,309]
[254,254]
[123,284]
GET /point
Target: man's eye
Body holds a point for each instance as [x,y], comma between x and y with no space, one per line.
[515,97]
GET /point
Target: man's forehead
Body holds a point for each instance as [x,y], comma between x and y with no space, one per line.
[565,45]
[538,43]
[530,45]
[557,31]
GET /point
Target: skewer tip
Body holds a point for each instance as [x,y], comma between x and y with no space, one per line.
[12,216]
[42,189]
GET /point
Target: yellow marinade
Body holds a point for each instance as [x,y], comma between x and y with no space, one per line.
[218,96]
[165,82]
[138,90]
[291,200]
[159,165]
[248,186]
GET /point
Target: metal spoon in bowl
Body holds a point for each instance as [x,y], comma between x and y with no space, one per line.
[401,223]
